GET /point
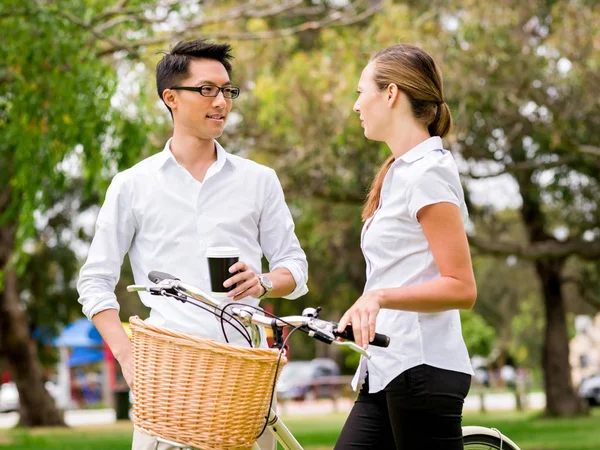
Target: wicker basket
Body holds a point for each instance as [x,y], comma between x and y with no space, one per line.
[200,392]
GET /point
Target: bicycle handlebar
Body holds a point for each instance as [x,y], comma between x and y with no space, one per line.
[169,286]
[380,340]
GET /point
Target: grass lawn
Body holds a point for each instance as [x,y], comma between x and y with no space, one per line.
[529,431]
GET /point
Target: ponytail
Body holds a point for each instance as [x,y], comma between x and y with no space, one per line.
[372,201]
[442,123]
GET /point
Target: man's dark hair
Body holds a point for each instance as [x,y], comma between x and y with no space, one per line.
[173,67]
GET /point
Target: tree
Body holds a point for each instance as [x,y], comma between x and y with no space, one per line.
[537,130]
[250,20]
[55,105]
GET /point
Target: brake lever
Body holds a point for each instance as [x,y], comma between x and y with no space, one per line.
[164,288]
[322,326]
[353,347]
[137,288]
[328,329]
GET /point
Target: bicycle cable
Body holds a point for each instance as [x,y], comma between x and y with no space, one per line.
[281,350]
[257,308]
[242,329]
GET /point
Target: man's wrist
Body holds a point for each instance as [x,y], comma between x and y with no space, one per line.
[122,352]
[267,285]
[263,290]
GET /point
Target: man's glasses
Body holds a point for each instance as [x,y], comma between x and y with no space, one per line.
[211,91]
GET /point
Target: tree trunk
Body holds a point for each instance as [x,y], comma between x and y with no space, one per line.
[17,347]
[561,399]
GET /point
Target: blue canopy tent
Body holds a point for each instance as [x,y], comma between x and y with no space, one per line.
[81,343]
[85,342]
[80,356]
[81,333]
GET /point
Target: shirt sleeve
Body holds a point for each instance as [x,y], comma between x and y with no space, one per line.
[277,238]
[438,183]
[115,228]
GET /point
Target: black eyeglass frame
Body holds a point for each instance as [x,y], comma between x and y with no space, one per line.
[198,89]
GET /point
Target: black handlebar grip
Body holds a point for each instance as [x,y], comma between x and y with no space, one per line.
[156,277]
[380,340]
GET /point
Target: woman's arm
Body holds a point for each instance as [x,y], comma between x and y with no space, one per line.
[455,289]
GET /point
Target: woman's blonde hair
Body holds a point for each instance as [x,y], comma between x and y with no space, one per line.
[417,75]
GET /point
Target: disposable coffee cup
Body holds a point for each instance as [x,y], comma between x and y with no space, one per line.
[220,259]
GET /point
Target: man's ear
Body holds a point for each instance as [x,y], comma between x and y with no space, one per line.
[393,94]
[169,98]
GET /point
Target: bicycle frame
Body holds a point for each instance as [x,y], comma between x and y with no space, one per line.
[287,440]
[281,432]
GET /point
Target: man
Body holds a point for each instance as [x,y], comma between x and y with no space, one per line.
[168,209]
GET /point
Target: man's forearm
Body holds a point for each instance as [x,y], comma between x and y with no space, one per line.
[283,282]
[109,325]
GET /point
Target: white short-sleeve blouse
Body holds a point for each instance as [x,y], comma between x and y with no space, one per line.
[397,253]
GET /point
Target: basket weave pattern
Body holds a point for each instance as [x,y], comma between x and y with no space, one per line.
[197,391]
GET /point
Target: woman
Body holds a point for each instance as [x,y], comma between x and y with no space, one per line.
[419,271]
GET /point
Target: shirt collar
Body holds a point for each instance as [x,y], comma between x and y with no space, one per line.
[222,157]
[419,151]
[167,155]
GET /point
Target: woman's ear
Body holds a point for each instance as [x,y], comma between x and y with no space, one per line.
[393,94]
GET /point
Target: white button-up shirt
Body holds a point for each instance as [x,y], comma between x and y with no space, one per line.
[397,254]
[166,219]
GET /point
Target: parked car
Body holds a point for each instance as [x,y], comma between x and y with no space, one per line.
[9,396]
[299,380]
[589,389]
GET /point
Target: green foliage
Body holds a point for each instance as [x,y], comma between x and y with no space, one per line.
[61,138]
[533,126]
[478,335]
[508,300]
[48,295]
[55,103]
[527,329]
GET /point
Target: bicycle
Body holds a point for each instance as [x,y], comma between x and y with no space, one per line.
[247,319]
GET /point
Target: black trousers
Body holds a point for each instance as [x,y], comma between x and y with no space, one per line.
[421,409]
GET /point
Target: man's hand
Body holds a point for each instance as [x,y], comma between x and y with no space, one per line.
[126,363]
[109,325]
[246,281]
